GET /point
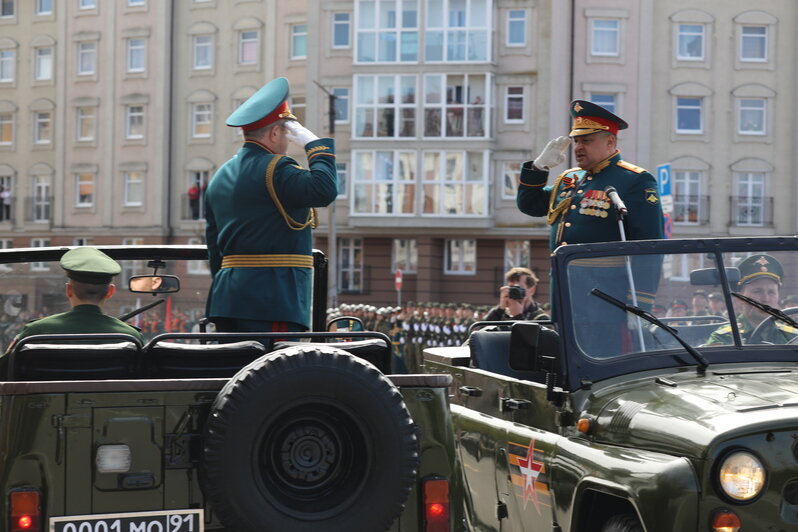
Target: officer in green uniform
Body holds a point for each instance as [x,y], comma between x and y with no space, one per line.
[259,218]
[88,287]
[760,279]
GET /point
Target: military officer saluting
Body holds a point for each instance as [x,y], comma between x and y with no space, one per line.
[89,272]
[259,214]
[760,279]
[577,206]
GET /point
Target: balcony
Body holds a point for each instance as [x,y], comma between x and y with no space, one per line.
[691,210]
[751,211]
[192,210]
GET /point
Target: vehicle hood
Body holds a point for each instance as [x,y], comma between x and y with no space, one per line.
[683,414]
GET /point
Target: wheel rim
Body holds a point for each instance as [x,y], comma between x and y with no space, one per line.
[313,453]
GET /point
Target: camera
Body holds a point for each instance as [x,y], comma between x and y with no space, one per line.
[516,292]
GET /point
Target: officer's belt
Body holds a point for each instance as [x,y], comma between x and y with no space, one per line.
[267,261]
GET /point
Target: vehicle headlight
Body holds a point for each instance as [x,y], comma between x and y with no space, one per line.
[742,476]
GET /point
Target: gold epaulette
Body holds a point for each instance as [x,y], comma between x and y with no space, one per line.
[631,167]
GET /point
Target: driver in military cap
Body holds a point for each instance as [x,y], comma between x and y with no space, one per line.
[89,275]
[259,214]
[760,279]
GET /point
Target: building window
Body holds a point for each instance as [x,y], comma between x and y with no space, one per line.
[458,30]
[197,184]
[39,243]
[690,42]
[136,52]
[8,63]
[248,48]
[342,170]
[7,8]
[605,37]
[511,174]
[752,116]
[81,241]
[517,254]
[299,41]
[84,190]
[455,183]
[405,255]
[43,69]
[387,31]
[385,106]
[134,122]
[341,30]
[454,105]
[687,197]
[197,267]
[201,120]
[43,127]
[87,4]
[754,43]
[514,105]
[203,52]
[341,104]
[6,198]
[136,3]
[516,27]
[749,205]
[41,199]
[44,7]
[350,264]
[133,189]
[607,101]
[6,129]
[460,257]
[87,58]
[384,182]
[86,123]
[689,115]
[298,106]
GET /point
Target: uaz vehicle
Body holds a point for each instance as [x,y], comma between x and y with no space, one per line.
[606,420]
[209,431]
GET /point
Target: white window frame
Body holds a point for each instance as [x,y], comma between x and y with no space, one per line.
[521,97]
[342,94]
[688,180]
[40,125]
[136,53]
[338,23]
[517,254]
[342,171]
[454,256]
[41,9]
[85,116]
[7,120]
[13,13]
[42,203]
[700,107]
[366,31]
[41,64]
[299,33]
[197,267]
[201,115]
[447,110]
[39,266]
[444,180]
[511,173]
[465,29]
[370,105]
[87,51]
[136,3]
[131,178]
[8,66]
[750,180]
[245,39]
[596,97]
[513,18]
[208,47]
[593,41]
[369,181]
[130,116]
[81,241]
[350,252]
[743,107]
[404,251]
[681,32]
[80,180]
[87,4]
[765,37]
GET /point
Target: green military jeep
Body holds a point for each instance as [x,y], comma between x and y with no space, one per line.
[197,430]
[612,419]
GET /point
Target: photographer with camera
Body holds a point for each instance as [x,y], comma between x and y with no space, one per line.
[516,298]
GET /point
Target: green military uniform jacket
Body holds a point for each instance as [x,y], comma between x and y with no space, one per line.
[258,233]
[779,333]
[82,319]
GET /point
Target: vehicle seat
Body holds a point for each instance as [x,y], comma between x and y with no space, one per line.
[173,360]
[490,350]
[372,350]
[695,335]
[60,362]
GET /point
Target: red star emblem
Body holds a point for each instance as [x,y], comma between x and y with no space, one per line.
[530,469]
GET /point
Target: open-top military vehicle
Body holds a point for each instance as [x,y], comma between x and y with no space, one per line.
[197,430]
[611,419]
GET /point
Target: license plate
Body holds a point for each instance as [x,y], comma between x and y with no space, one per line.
[164,521]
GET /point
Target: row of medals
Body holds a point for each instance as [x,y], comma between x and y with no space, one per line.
[595,203]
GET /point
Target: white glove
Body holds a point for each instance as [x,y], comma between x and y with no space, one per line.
[553,154]
[299,134]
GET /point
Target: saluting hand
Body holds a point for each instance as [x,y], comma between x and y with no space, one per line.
[553,154]
[299,134]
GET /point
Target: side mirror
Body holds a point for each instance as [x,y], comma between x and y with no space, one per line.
[711,276]
[534,347]
[345,324]
[154,284]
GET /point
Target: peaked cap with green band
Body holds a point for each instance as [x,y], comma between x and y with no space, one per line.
[760,265]
[265,107]
[89,265]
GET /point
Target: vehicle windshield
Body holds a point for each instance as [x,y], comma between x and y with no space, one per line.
[685,291]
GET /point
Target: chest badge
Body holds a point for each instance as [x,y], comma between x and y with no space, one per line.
[594,203]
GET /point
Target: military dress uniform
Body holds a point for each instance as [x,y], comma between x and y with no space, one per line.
[259,219]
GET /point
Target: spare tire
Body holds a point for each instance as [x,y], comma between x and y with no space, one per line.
[309,438]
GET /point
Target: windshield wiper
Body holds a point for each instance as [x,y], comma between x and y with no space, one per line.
[776,313]
[637,311]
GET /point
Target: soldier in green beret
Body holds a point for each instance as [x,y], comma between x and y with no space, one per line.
[89,275]
[259,214]
[760,279]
